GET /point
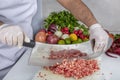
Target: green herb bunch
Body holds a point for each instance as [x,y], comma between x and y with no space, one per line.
[64,19]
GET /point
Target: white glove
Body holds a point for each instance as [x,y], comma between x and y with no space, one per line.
[12,35]
[100,36]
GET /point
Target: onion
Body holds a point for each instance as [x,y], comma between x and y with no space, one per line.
[52,28]
[52,39]
[40,36]
[64,36]
[58,33]
[114,49]
[108,54]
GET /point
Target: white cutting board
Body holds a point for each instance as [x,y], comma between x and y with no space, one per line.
[48,75]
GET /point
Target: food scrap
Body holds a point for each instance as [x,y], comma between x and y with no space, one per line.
[75,68]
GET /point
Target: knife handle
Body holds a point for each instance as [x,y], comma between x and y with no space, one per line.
[30,44]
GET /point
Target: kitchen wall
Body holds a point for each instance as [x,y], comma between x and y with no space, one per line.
[106,11]
[37,20]
[50,6]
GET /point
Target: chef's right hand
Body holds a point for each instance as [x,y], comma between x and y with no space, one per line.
[12,35]
[100,36]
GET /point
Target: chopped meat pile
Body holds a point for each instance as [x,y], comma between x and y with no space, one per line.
[64,54]
[75,68]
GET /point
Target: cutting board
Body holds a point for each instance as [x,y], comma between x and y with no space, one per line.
[44,74]
[48,75]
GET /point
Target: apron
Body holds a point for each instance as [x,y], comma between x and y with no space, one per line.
[18,12]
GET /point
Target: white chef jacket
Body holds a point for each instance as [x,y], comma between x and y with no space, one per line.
[18,12]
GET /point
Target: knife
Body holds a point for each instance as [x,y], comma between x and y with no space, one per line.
[41,51]
[30,44]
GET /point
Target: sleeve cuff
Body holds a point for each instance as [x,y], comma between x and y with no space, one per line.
[95,26]
[4,25]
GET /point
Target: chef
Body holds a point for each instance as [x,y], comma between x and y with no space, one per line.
[15,28]
[15,19]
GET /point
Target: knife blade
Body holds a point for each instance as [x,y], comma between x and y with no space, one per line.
[41,52]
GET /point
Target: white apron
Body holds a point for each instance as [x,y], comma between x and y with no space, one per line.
[18,12]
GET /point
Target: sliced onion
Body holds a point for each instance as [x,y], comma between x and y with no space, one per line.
[109,54]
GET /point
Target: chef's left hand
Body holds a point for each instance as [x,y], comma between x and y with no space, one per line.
[100,36]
